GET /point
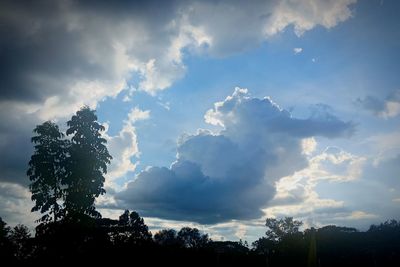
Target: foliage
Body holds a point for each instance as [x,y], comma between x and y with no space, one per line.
[277,229]
[166,237]
[192,238]
[132,229]
[46,170]
[86,164]
[20,238]
[92,242]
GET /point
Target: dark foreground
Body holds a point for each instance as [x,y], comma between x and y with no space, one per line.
[127,241]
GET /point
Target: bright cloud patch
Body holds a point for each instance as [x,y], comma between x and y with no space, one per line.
[231,174]
[297,50]
[124,146]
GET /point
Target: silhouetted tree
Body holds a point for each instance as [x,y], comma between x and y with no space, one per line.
[6,248]
[20,238]
[192,238]
[166,237]
[46,170]
[131,229]
[263,245]
[4,230]
[277,229]
[87,162]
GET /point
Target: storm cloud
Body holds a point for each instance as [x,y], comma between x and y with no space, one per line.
[231,174]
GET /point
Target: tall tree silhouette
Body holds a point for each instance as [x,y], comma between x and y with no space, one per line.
[86,164]
[46,170]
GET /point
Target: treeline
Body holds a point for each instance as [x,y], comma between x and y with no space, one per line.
[102,240]
[67,171]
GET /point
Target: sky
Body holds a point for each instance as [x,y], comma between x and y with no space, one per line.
[218,114]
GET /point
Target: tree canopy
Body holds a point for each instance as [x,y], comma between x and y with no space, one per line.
[68,174]
[47,170]
[86,164]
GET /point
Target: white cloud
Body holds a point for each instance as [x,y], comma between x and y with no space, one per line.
[297,50]
[124,147]
[137,114]
[392,109]
[297,194]
[309,145]
[305,15]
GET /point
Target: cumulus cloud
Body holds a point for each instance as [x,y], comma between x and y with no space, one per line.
[229,175]
[386,108]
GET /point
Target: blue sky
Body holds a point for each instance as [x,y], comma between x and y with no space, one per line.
[323,148]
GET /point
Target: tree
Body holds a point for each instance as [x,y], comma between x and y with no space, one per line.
[4,230]
[46,170]
[277,229]
[6,249]
[20,237]
[166,237]
[87,162]
[132,226]
[192,238]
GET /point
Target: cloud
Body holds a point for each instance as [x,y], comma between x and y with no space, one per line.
[297,193]
[137,114]
[339,187]
[384,108]
[123,147]
[222,21]
[15,133]
[78,52]
[297,50]
[15,204]
[59,55]
[231,174]
[305,15]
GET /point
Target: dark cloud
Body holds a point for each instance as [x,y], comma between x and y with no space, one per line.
[382,107]
[15,133]
[230,175]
